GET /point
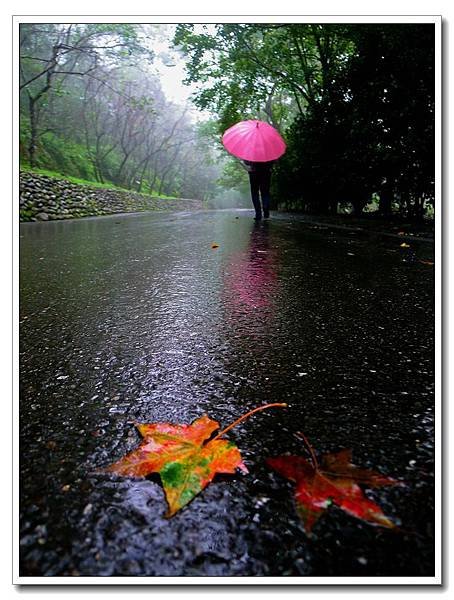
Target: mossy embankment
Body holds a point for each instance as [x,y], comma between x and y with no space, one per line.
[45,198]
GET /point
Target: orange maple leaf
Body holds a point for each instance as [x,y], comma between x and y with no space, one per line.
[184,456]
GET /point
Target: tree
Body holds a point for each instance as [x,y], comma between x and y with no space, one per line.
[356,105]
[246,67]
[390,88]
[277,72]
[105,116]
[51,52]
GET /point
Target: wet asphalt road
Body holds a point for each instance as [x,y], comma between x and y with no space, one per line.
[136,318]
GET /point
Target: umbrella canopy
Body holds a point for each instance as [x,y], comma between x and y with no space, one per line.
[254,140]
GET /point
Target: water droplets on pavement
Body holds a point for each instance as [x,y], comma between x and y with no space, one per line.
[151,325]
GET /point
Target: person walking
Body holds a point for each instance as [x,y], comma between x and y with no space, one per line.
[260,180]
[258,145]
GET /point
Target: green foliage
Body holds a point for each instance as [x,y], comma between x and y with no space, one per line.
[273,70]
[57,154]
[373,131]
[234,176]
[65,156]
[355,102]
[92,109]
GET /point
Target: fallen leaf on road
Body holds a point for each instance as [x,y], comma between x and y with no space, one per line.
[184,456]
[335,481]
[214,245]
[404,245]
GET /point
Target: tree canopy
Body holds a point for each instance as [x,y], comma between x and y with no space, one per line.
[355,103]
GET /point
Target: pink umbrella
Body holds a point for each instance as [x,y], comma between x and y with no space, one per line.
[254,140]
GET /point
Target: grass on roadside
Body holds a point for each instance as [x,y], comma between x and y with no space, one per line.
[92,184]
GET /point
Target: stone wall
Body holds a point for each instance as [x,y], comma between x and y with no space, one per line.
[43,198]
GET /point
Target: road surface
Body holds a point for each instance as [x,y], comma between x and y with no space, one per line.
[136,318]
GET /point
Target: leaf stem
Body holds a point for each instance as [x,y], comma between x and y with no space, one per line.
[301,435]
[245,416]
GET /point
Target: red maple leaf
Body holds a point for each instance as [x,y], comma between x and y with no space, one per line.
[335,481]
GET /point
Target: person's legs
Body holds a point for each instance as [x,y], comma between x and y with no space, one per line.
[265,180]
[254,179]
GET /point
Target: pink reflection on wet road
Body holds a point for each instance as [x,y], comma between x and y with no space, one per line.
[251,282]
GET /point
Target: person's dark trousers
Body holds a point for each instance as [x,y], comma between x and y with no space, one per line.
[260,187]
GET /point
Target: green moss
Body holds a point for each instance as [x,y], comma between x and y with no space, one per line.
[25,215]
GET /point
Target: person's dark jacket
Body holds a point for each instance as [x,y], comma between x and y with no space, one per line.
[258,167]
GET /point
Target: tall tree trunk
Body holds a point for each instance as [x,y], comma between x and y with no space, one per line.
[98,171]
[119,175]
[409,205]
[333,204]
[419,207]
[33,131]
[155,176]
[386,197]
[384,207]
[142,173]
[358,205]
